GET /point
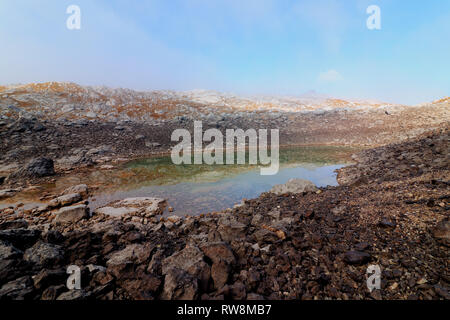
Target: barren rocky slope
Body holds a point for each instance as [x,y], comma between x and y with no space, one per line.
[76,126]
[392,211]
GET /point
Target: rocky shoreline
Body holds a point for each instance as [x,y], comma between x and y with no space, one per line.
[81,127]
[391,210]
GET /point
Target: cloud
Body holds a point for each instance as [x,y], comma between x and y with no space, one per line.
[330,76]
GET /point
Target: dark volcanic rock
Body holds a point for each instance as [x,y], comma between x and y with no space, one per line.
[71,214]
[51,293]
[44,254]
[19,289]
[121,262]
[11,263]
[74,295]
[20,238]
[46,278]
[179,285]
[356,257]
[442,232]
[143,287]
[190,260]
[218,252]
[386,224]
[15,224]
[37,168]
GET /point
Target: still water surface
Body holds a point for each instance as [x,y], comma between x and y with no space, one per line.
[195,189]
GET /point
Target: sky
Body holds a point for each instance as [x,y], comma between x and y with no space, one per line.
[251,47]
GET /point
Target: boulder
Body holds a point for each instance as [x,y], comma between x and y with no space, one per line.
[7,193]
[116,212]
[19,289]
[220,273]
[142,206]
[150,144]
[71,214]
[179,285]
[15,224]
[52,292]
[356,257]
[81,189]
[218,252]
[294,186]
[442,232]
[385,223]
[8,252]
[53,236]
[65,200]
[20,238]
[230,229]
[222,258]
[44,254]
[69,162]
[143,287]
[120,260]
[190,260]
[46,278]
[238,291]
[11,262]
[37,168]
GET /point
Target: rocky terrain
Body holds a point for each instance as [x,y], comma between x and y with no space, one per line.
[391,210]
[79,126]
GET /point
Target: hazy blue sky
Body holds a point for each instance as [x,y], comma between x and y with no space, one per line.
[242,46]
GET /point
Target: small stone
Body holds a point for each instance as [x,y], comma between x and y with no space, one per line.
[393,286]
[422,281]
[386,224]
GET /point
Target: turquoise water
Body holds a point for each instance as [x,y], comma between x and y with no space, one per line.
[196,189]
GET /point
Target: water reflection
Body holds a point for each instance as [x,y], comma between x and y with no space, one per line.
[195,189]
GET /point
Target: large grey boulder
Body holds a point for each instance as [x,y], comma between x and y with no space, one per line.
[294,186]
[142,206]
[71,214]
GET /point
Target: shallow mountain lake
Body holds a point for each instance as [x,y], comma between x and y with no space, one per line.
[196,189]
